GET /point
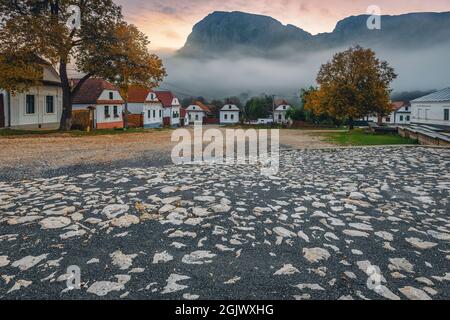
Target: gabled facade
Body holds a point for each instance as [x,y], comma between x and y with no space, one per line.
[40,107]
[197,112]
[171,108]
[432,110]
[229,114]
[280,112]
[104,99]
[144,101]
[400,115]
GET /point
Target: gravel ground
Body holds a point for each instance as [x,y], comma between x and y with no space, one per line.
[54,155]
[363,223]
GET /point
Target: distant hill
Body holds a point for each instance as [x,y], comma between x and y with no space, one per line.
[237,32]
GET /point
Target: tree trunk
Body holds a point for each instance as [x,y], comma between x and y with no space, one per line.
[66,117]
[380,120]
[350,124]
[125,116]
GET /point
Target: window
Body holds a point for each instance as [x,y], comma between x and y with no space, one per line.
[232,117]
[225,117]
[196,117]
[408,118]
[107,115]
[280,117]
[388,119]
[49,104]
[149,114]
[111,96]
[154,113]
[446,114]
[30,106]
[116,111]
[160,113]
[401,118]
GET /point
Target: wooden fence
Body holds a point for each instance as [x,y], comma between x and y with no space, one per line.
[135,120]
[81,120]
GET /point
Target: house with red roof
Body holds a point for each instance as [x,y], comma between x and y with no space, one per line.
[145,101]
[401,114]
[197,112]
[104,98]
[280,113]
[171,108]
[39,107]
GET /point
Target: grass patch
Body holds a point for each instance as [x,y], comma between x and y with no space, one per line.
[359,137]
[11,133]
[76,133]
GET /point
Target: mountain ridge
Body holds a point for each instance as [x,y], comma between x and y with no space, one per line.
[221,33]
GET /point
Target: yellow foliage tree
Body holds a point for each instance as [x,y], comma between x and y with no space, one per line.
[354,84]
[45,28]
[132,64]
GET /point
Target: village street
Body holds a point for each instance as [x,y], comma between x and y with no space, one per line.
[357,223]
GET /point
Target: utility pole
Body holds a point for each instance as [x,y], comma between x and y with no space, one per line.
[273,108]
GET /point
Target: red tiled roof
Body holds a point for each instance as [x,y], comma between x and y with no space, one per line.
[202,106]
[281,103]
[398,105]
[166,98]
[91,90]
[138,94]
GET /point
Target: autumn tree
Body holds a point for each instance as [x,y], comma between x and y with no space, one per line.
[354,84]
[43,28]
[131,62]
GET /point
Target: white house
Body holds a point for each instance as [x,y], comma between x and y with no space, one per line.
[171,108]
[400,115]
[432,110]
[280,113]
[144,101]
[197,112]
[40,107]
[229,114]
[104,98]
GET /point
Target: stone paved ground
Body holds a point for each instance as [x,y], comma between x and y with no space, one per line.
[322,229]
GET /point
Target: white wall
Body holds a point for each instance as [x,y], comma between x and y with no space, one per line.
[105,95]
[175,121]
[100,113]
[149,108]
[19,117]
[431,113]
[229,115]
[283,116]
[195,116]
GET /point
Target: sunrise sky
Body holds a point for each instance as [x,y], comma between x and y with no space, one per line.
[169,22]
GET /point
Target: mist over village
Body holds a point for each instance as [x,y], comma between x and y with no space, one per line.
[224,159]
